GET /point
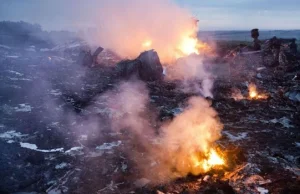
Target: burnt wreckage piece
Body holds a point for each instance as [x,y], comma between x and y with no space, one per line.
[280,50]
[256,41]
[146,66]
[89,60]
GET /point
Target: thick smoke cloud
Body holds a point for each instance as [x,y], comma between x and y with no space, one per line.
[127,26]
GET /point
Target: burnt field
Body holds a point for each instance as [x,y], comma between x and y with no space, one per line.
[58,120]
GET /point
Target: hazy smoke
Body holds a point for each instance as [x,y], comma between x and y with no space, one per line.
[127,26]
[130,102]
[192,131]
[167,154]
[195,75]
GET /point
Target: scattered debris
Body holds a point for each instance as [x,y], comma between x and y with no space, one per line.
[75,151]
[285,122]
[108,146]
[262,190]
[23,108]
[61,166]
[12,135]
[34,147]
[237,137]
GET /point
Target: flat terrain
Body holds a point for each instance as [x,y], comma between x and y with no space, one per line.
[55,138]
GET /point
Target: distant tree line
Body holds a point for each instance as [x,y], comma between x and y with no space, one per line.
[26,34]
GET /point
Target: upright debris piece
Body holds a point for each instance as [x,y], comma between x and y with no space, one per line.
[96,53]
[147,67]
[256,42]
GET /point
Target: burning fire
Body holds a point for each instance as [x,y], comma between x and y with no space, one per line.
[185,44]
[191,45]
[253,94]
[188,46]
[207,162]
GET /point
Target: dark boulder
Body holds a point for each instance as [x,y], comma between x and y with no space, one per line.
[151,68]
[147,67]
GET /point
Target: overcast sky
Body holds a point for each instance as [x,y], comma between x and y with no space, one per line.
[213,14]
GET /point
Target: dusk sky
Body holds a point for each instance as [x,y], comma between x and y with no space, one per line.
[213,14]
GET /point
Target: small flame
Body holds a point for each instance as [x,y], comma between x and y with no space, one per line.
[253,94]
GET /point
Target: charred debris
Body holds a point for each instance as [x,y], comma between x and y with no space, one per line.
[260,137]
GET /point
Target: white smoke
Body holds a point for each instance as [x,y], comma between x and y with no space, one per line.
[194,75]
[193,131]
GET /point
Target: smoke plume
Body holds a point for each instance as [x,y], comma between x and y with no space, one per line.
[169,153]
[129,27]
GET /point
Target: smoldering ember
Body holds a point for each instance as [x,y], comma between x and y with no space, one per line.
[160,113]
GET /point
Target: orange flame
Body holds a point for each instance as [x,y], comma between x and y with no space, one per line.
[207,162]
[183,44]
[188,46]
[253,94]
